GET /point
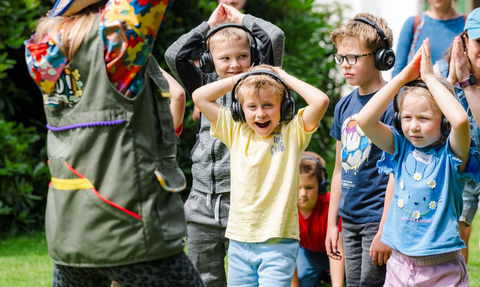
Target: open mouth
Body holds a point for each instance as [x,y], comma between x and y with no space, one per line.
[262,125]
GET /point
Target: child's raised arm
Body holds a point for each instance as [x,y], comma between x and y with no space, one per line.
[369,117]
[317,100]
[205,96]
[177,96]
[450,107]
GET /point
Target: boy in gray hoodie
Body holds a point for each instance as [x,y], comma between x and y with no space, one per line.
[227,50]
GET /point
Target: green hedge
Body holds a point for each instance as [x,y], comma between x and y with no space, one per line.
[24,177]
[23,172]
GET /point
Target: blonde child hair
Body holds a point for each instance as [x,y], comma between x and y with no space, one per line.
[68,32]
[253,84]
[227,35]
[423,92]
[366,35]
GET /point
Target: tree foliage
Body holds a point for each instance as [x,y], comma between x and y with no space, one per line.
[23,172]
[24,176]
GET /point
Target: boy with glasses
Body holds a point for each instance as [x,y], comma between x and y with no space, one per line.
[358,190]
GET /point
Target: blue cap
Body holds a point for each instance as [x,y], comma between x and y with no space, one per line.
[472,25]
[69,7]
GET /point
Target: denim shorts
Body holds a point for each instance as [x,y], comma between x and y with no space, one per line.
[268,263]
[447,269]
[471,201]
[310,266]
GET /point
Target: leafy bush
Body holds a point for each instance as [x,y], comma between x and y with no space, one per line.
[16,20]
[23,173]
[23,178]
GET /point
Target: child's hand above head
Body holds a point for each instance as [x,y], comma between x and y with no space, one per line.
[426,66]
[412,71]
[233,15]
[280,72]
[218,16]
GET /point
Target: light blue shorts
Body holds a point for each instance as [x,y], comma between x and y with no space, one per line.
[471,201]
[268,263]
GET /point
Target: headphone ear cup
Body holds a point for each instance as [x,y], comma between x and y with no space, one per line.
[445,127]
[237,112]
[206,62]
[323,185]
[384,59]
[287,110]
[388,59]
[397,122]
[378,58]
[254,55]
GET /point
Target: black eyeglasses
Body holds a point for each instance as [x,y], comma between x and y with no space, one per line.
[351,59]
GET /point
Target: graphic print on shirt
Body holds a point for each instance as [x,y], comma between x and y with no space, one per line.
[417,196]
[356,145]
[278,145]
[67,91]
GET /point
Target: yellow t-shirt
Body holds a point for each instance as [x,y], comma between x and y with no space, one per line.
[264,176]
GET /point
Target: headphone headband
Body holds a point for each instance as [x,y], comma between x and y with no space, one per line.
[261,72]
[287,109]
[323,182]
[224,26]
[379,31]
[312,158]
[414,83]
[384,57]
[206,60]
[445,126]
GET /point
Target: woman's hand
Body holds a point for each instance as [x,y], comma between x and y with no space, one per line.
[452,70]
[462,64]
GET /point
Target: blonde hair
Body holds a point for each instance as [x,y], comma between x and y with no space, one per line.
[421,92]
[68,32]
[366,34]
[229,34]
[252,84]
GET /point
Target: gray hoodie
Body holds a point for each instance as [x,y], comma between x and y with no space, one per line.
[210,157]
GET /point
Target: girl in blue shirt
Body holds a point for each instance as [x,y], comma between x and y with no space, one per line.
[429,153]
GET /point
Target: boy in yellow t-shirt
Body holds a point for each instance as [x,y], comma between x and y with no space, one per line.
[266,142]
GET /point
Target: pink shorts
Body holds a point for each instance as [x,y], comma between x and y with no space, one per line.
[447,269]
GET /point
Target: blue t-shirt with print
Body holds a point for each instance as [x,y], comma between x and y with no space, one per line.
[427,202]
[363,189]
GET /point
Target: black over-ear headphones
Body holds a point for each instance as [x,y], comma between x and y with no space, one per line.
[323,182]
[397,119]
[206,60]
[287,109]
[384,57]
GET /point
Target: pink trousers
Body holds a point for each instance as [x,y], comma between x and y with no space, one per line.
[447,269]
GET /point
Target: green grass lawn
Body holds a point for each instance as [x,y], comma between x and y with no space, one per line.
[24,260]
